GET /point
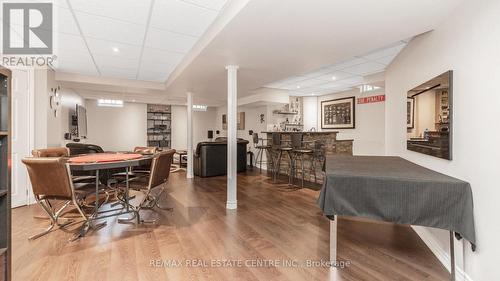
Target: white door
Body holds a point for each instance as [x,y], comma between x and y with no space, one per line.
[21,135]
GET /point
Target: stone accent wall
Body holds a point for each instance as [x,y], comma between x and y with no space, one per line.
[312,167]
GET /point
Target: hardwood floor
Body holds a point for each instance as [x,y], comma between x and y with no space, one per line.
[271,223]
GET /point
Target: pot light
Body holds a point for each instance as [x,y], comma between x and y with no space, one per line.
[298,87]
[334,78]
[109,103]
[115,50]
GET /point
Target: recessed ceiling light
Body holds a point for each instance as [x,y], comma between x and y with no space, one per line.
[115,50]
[298,87]
[334,78]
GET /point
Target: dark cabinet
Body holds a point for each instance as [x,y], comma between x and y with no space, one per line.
[5,220]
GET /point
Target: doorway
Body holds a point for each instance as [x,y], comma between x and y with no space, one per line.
[22,134]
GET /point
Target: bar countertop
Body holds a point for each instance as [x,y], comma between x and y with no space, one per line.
[303,132]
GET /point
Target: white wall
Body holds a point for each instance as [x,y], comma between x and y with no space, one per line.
[252,122]
[49,128]
[67,108]
[310,113]
[468,43]
[369,131]
[202,122]
[117,128]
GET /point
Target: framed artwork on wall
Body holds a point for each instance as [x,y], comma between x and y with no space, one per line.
[240,123]
[410,113]
[338,113]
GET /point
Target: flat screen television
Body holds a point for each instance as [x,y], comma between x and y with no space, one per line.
[81,121]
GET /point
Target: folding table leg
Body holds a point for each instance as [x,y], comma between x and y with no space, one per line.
[452,256]
[333,240]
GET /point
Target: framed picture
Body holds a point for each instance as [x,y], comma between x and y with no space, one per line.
[240,122]
[338,114]
[410,113]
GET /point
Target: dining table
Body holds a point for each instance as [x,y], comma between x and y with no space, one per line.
[109,161]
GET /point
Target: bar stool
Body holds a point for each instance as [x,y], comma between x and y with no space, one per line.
[261,148]
[277,146]
[319,155]
[298,152]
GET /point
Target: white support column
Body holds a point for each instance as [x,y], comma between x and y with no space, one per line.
[189,171]
[232,107]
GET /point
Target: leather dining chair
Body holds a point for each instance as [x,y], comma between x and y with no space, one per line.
[51,152]
[146,150]
[60,152]
[160,172]
[140,171]
[51,180]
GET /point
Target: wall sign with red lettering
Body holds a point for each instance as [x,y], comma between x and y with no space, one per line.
[372,99]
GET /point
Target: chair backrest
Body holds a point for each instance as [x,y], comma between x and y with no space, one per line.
[146,150]
[255,138]
[51,152]
[296,140]
[276,139]
[83,148]
[50,178]
[160,168]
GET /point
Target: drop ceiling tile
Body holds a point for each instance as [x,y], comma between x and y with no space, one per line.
[105,48]
[69,43]
[310,83]
[168,41]
[64,22]
[87,69]
[181,17]
[209,4]
[119,73]
[154,71]
[352,81]
[103,28]
[386,60]
[76,59]
[161,56]
[127,10]
[152,76]
[112,62]
[365,68]
[292,80]
[60,3]
[331,86]
[337,74]
[388,51]
[347,63]
[275,85]
[157,67]
[317,73]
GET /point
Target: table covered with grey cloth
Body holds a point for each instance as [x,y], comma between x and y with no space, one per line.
[396,190]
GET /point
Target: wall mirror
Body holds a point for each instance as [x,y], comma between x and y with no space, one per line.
[429,117]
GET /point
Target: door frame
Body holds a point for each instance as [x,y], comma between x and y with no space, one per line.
[30,199]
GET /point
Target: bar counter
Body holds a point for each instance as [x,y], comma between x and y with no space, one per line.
[333,146]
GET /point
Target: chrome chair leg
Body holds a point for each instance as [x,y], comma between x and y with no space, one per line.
[53,216]
[277,166]
[291,168]
[150,202]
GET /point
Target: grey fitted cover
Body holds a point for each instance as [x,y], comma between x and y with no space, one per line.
[396,190]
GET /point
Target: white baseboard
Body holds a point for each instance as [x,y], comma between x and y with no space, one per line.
[231,205]
[439,252]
